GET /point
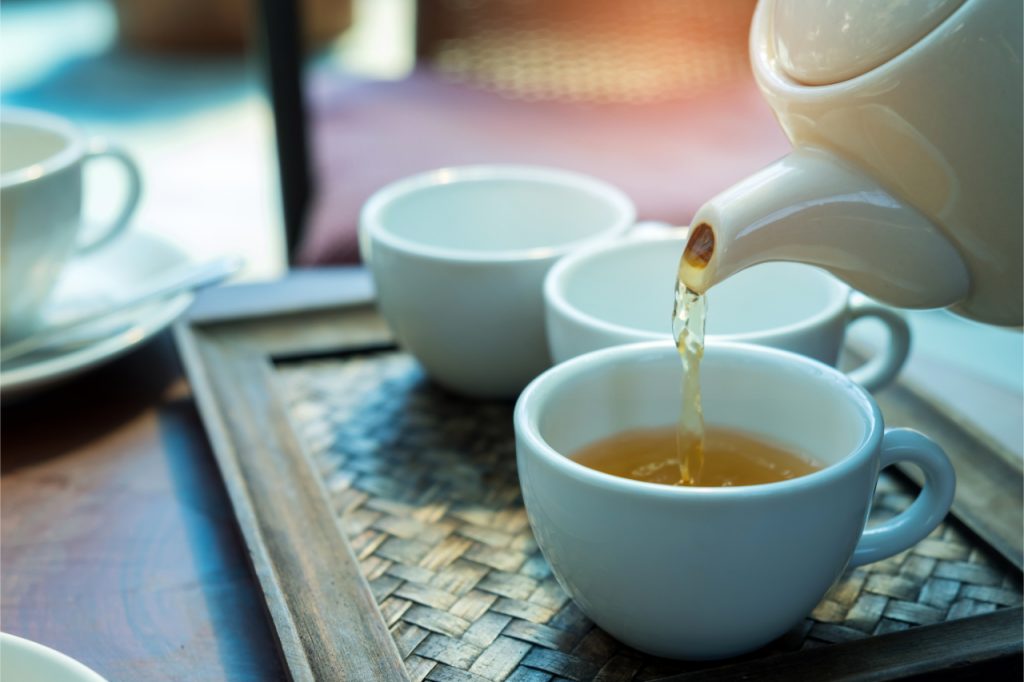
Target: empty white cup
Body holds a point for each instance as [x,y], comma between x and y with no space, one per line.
[459,257]
[622,292]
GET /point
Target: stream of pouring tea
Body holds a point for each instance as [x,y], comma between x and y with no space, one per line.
[688,329]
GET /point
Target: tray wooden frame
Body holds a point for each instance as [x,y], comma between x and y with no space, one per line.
[326,622]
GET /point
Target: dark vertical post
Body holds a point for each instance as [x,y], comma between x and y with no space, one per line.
[282,53]
[434,23]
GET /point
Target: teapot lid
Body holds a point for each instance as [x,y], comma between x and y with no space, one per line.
[829,41]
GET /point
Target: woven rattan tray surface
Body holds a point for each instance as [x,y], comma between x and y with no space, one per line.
[386,528]
[425,487]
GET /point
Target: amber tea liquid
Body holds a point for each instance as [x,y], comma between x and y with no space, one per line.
[689,454]
[688,329]
[731,458]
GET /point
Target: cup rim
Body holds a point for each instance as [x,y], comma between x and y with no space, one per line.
[526,417]
[371,223]
[558,276]
[63,159]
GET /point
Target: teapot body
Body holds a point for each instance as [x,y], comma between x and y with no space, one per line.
[937,125]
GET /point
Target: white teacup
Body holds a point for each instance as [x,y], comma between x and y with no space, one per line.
[712,572]
[622,292]
[41,161]
[459,257]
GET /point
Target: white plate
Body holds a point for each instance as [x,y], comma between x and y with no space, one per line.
[91,281]
[22,660]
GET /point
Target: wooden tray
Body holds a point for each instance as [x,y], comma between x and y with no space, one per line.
[385,526]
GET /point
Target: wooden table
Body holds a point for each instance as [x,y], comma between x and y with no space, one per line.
[119,544]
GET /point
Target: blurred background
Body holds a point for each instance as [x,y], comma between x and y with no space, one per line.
[653,96]
[639,96]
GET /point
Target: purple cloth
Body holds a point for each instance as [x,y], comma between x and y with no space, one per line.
[669,157]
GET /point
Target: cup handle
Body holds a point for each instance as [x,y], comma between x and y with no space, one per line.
[883,368]
[101,149]
[914,523]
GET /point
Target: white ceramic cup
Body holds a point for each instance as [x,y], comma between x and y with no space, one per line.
[712,572]
[41,162]
[459,257]
[622,292]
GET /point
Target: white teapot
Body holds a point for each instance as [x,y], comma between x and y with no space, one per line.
[905,177]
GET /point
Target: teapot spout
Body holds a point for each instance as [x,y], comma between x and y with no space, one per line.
[813,208]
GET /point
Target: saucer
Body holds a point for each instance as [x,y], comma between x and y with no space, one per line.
[93,282]
[27,661]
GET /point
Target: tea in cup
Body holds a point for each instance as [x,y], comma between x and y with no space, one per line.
[41,164]
[459,256]
[713,571]
[621,292]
